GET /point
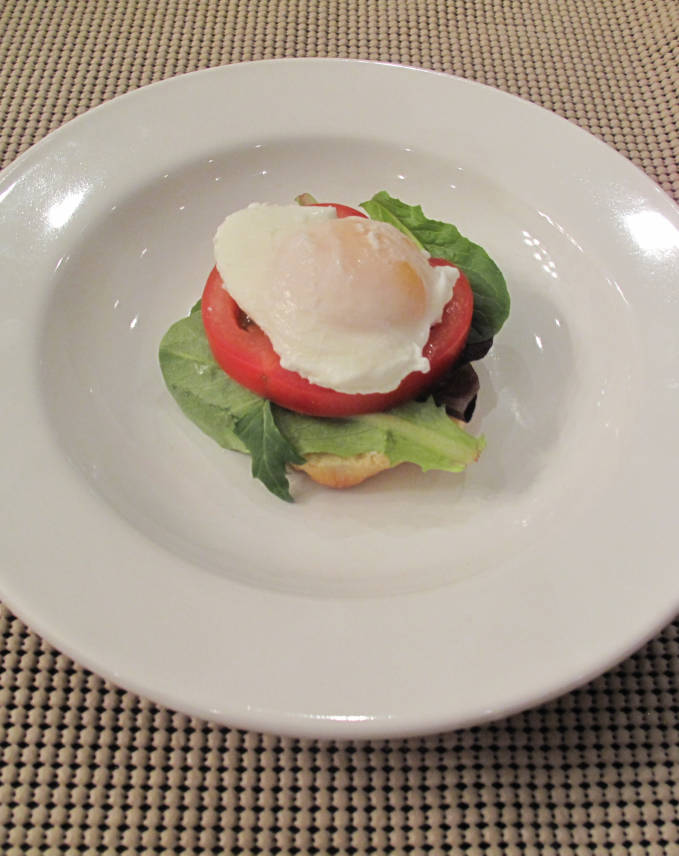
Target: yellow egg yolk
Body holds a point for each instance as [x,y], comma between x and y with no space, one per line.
[359,276]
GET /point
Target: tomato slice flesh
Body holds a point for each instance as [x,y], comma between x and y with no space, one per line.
[245,353]
[342,210]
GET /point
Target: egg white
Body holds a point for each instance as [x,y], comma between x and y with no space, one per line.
[347,303]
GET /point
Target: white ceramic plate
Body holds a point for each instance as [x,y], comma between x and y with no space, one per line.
[416,602]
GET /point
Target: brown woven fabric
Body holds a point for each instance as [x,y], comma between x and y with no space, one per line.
[88,768]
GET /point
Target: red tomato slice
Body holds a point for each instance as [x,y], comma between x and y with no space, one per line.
[245,353]
[342,210]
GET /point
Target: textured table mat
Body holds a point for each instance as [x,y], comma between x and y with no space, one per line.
[89,768]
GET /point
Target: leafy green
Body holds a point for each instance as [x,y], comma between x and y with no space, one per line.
[306,199]
[232,415]
[443,240]
[419,432]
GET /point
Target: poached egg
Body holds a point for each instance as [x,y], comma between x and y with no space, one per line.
[347,303]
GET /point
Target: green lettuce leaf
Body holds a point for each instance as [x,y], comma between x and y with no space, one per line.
[443,240]
[418,432]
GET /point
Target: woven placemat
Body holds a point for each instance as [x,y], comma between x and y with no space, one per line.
[89,768]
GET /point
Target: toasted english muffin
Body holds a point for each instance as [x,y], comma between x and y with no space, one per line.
[333,471]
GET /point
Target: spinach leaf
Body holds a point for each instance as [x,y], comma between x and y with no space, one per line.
[443,240]
[232,415]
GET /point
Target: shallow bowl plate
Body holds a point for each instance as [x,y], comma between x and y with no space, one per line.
[417,602]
